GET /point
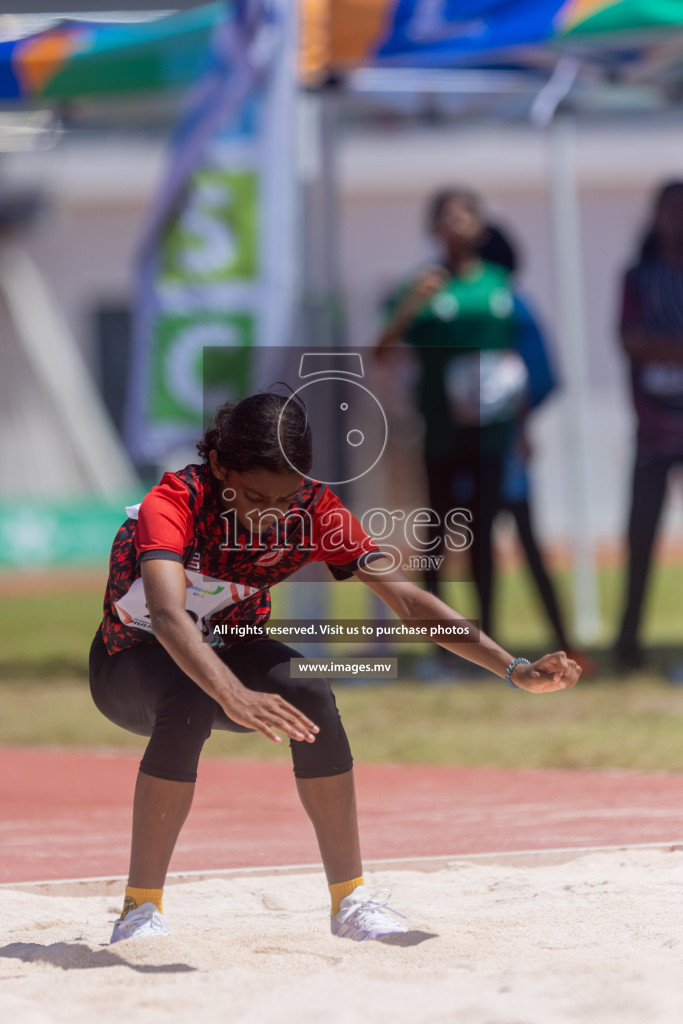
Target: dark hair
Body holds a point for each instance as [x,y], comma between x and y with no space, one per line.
[498,247]
[264,430]
[649,249]
[440,200]
[495,246]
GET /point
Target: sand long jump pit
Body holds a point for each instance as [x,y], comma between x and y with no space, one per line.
[515,939]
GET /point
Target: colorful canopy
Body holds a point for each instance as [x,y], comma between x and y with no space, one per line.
[79,58]
[444,31]
[95,58]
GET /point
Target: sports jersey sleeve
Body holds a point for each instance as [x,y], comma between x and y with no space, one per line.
[339,540]
[164,527]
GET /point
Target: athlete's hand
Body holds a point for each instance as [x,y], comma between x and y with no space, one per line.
[266,712]
[551,672]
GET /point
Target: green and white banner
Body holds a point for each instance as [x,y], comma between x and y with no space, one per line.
[216,282]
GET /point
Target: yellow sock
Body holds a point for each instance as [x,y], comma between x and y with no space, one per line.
[136,897]
[338,890]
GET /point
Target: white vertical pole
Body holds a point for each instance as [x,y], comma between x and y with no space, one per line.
[573,345]
[279,199]
[318,180]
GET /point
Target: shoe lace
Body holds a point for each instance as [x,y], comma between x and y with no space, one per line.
[373,908]
[153,921]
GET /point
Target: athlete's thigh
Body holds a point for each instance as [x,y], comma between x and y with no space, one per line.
[263,665]
[131,687]
[255,662]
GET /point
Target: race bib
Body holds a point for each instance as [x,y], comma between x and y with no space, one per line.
[204,597]
[486,387]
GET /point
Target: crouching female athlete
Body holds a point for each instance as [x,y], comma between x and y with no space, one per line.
[211,540]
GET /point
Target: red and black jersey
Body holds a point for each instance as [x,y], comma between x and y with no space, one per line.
[229,571]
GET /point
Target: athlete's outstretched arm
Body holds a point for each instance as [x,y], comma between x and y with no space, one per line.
[411,604]
[164,583]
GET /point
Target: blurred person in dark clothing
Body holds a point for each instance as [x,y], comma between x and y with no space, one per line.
[468,300]
[652,338]
[498,248]
[516,485]
[456,313]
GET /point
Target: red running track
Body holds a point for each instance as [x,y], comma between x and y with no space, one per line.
[67,815]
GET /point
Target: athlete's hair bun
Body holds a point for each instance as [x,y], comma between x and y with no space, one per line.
[264,430]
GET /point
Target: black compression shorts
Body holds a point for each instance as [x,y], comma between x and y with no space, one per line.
[143,690]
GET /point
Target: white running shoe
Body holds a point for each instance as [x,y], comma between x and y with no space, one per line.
[362,917]
[140,923]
